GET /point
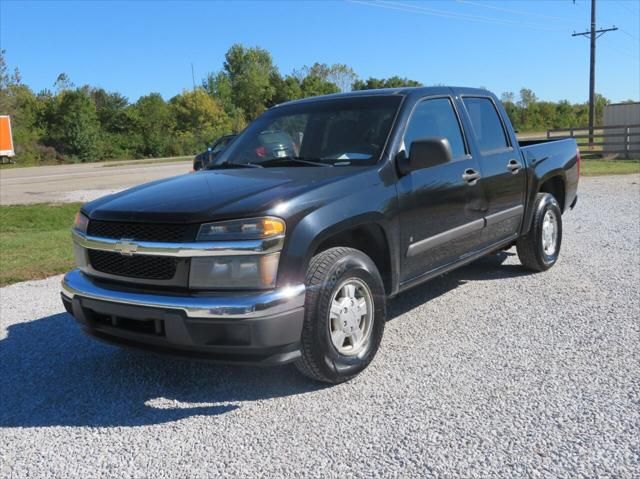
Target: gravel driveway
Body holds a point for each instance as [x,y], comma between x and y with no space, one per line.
[487,371]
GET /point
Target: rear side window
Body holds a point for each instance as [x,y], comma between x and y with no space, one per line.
[435,118]
[490,134]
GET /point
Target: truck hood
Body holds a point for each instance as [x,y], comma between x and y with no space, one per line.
[214,194]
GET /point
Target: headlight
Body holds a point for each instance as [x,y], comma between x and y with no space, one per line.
[251,271]
[247,229]
[239,272]
[81,222]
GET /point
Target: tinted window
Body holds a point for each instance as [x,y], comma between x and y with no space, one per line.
[486,124]
[435,118]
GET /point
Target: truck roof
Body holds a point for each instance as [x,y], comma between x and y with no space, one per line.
[403,91]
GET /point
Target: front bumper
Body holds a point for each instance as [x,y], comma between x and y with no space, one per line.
[247,327]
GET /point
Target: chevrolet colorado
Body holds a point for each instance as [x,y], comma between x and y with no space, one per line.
[289,254]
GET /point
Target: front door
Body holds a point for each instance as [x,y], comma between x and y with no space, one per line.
[441,207]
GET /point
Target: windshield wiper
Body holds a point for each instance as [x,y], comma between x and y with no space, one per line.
[230,164]
[294,159]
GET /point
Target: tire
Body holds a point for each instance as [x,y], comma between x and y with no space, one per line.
[329,277]
[534,249]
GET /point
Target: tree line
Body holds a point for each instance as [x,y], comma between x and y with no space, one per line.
[84,123]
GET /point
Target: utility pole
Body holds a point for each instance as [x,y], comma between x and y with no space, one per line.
[193,77]
[593,34]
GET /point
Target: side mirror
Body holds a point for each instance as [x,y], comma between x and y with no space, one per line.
[426,153]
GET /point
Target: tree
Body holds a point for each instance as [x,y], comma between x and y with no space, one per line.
[285,89]
[249,71]
[391,82]
[313,85]
[111,110]
[199,118]
[62,83]
[16,78]
[527,98]
[507,97]
[218,86]
[5,80]
[75,129]
[154,125]
[600,102]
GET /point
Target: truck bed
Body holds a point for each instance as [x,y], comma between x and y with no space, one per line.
[549,157]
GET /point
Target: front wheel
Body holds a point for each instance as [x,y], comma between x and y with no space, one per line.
[539,249]
[345,313]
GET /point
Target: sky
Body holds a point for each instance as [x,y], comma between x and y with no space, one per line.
[149,46]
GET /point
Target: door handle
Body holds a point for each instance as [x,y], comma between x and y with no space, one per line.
[471,176]
[514,166]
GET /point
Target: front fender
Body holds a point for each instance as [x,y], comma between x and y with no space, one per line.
[363,206]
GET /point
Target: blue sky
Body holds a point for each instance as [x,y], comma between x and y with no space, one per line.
[139,47]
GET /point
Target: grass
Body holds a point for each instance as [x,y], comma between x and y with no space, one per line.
[35,241]
[609,167]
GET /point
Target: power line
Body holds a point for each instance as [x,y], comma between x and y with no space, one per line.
[627,33]
[447,14]
[622,52]
[509,10]
[469,16]
[621,4]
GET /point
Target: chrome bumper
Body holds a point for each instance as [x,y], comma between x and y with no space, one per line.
[219,305]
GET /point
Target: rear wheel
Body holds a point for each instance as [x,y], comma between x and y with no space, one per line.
[539,249]
[345,313]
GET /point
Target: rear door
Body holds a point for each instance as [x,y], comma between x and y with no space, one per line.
[503,172]
[441,209]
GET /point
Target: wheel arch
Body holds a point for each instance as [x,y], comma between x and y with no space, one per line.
[553,182]
[556,186]
[367,234]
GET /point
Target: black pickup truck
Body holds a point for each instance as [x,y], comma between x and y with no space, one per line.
[291,255]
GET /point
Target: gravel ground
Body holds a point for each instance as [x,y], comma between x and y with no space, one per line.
[487,371]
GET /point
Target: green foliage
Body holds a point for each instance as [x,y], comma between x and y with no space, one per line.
[328,78]
[87,123]
[199,119]
[153,125]
[286,88]
[73,128]
[249,71]
[529,114]
[391,82]
[313,85]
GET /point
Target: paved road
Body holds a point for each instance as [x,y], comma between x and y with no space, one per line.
[486,372]
[80,182]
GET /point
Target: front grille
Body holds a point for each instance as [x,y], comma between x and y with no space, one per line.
[139,231]
[146,267]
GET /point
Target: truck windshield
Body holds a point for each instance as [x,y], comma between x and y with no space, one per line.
[340,131]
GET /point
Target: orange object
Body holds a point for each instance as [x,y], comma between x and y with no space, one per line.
[6,140]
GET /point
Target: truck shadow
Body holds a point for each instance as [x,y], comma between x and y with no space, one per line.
[52,375]
[487,268]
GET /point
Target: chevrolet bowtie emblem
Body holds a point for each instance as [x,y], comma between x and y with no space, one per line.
[126,247]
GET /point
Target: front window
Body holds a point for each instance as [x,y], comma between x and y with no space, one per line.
[436,118]
[341,131]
